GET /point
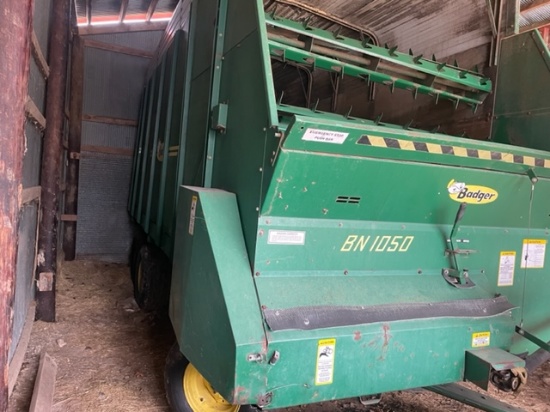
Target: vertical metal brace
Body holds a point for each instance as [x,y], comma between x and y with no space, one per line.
[167,135]
[217,61]
[149,194]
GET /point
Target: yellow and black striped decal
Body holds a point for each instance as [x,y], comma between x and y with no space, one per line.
[392,143]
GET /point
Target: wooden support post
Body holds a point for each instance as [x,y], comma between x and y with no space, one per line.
[51,161]
[15,29]
[75,132]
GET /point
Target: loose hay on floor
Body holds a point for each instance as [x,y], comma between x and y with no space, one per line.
[110,355]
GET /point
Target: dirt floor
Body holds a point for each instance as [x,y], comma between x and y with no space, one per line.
[110,355]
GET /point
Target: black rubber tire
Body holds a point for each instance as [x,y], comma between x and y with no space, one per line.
[173,377]
[139,239]
[152,288]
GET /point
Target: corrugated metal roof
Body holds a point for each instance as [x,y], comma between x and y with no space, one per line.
[443,28]
[534,13]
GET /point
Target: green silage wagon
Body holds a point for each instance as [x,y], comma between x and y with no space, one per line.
[316,255]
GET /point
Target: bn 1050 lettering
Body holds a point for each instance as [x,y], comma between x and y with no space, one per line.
[385,243]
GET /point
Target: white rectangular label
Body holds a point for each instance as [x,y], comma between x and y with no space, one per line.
[532,256]
[325,136]
[325,361]
[506,268]
[192,217]
[286,237]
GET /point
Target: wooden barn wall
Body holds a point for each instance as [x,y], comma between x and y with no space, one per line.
[115,67]
[29,212]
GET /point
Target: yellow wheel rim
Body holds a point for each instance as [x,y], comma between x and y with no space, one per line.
[200,396]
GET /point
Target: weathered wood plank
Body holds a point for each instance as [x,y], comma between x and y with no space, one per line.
[15,28]
[123,9]
[52,148]
[39,56]
[117,48]
[107,150]
[44,386]
[29,194]
[73,146]
[19,354]
[151,9]
[34,114]
[69,218]
[109,120]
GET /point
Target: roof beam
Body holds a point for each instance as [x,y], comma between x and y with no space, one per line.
[151,10]
[88,12]
[117,48]
[536,4]
[122,28]
[123,9]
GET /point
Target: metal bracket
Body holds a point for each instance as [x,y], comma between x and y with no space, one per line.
[459,251]
[542,344]
[460,280]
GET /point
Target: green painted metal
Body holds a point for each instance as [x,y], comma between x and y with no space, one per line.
[217,64]
[309,248]
[145,151]
[154,151]
[288,53]
[522,104]
[216,316]
[427,73]
[136,158]
[158,197]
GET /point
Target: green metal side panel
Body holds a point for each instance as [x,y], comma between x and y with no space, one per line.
[162,204]
[370,359]
[136,159]
[168,214]
[522,105]
[242,153]
[213,304]
[377,218]
[160,149]
[199,90]
[149,154]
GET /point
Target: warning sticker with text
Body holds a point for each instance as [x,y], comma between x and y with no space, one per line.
[481,339]
[325,361]
[506,267]
[324,136]
[532,256]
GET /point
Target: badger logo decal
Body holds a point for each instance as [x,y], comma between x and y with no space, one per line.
[473,194]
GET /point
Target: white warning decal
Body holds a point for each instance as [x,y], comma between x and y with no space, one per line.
[506,267]
[326,351]
[286,237]
[325,136]
[532,256]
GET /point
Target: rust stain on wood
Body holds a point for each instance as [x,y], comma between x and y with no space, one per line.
[15,28]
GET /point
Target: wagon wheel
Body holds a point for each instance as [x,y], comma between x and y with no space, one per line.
[151,279]
[138,241]
[188,391]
